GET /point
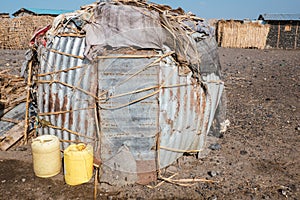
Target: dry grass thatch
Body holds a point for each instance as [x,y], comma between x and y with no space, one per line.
[242,35]
[15,33]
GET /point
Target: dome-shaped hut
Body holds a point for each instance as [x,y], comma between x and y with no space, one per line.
[138,81]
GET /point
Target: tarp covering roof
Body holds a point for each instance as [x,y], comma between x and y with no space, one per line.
[38,11]
[279,17]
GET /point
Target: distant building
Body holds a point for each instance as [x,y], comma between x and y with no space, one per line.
[39,12]
[4,15]
[284,30]
[242,33]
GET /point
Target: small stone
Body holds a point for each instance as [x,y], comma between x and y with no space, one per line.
[3,181]
[215,146]
[23,180]
[267,99]
[243,152]
[283,192]
[212,173]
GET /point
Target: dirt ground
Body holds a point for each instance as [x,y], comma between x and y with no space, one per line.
[259,154]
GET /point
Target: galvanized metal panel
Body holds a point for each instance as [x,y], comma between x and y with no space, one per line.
[17,113]
[181,108]
[212,97]
[43,11]
[68,91]
[180,113]
[280,17]
[125,122]
[215,88]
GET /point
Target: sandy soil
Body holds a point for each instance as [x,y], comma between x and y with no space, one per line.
[259,154]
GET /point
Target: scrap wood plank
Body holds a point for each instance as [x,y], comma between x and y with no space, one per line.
[12,136]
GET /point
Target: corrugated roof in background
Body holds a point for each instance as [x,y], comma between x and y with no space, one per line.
[279,17]
[42,11]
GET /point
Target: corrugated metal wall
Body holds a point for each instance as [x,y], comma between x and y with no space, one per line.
[140,104]
[64,99]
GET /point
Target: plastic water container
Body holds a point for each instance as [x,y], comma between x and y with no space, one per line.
[46,156]
[78,163]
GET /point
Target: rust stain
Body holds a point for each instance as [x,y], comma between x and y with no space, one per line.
[57,105]
[201,111]
[50,102]
[198,99]
[64,108]
[86,123]
[192,101]
[177,102]
[185,97]
[71,116]
[78,120]
[171,94]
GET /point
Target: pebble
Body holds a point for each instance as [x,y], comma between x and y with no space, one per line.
[267,99]
[23,180]
[215,146]
[212,173]
[3,181]
[243,152]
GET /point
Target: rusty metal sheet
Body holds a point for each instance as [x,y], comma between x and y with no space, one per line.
[181,117]
[66,93]
[148,114]
[138,104]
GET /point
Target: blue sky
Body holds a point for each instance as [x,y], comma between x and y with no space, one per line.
[219,9]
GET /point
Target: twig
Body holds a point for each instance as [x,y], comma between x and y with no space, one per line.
[67,54]
[179,150]
[162,182]
[68,85]
[132,102]
[128,56]
[144,90]
[56,72]
[147,66]
[63,112]
[5,71]
[68,130]
[70,35]
[186,182]
[27,101]
[10,120]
